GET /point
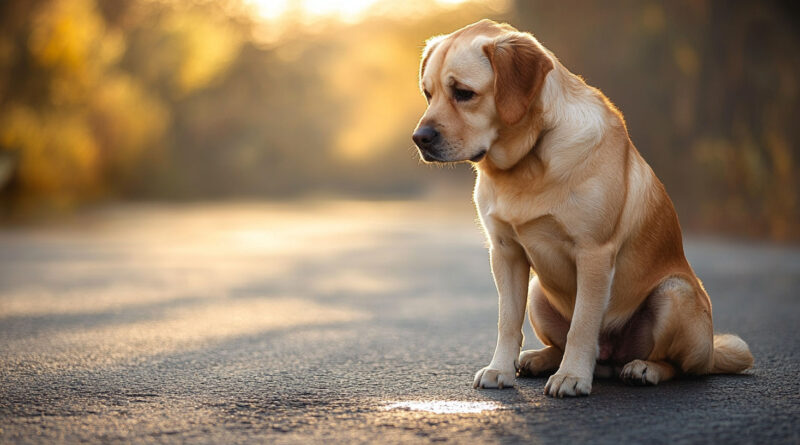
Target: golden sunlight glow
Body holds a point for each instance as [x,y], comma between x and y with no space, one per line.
[268,9]
[344,10]
[183,328]
[444,406]
[374,72]
[384,102]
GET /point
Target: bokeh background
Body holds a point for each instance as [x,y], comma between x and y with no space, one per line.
[105,101]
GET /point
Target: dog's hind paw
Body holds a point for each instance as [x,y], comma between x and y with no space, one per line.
[538,362]
[637,372]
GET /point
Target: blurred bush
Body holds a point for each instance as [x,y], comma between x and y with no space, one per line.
[160,99]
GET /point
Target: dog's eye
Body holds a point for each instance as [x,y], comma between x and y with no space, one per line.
[427,95]
[462,95]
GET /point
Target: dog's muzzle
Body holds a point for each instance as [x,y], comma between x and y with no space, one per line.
[427,138]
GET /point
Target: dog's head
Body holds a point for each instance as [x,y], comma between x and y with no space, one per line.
[479,81]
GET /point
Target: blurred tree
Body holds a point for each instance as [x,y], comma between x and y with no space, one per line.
[71,123]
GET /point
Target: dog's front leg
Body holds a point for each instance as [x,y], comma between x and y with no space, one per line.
[595,270]
[511,274]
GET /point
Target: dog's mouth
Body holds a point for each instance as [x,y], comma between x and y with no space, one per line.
[477,158]
[430,157]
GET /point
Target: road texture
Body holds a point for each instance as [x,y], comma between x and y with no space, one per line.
[337,322]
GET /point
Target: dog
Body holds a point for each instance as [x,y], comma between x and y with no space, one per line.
[580,230]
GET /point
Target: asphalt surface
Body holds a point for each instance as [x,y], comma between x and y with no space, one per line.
[337,322]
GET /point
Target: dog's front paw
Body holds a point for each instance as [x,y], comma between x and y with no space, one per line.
[566,384]
[490,377]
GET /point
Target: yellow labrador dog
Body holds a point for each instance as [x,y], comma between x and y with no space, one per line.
[562,191]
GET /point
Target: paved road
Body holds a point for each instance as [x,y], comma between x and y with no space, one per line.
[337,322]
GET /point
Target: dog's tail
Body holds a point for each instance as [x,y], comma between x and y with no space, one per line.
[731,355]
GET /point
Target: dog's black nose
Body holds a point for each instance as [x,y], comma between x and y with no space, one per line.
[425,137]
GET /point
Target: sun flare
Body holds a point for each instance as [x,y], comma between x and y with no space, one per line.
[344,10]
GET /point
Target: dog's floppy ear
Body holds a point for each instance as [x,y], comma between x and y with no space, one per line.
[430,45]
[520,66]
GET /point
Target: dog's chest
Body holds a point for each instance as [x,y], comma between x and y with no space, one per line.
[522,217]
[517,209]
[550,252]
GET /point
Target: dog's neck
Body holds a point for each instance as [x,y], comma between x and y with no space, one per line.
[515,143]
[570,117]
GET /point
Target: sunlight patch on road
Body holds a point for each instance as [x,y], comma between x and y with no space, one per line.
[34,301]
[443,406]
[178,330]
[359,282]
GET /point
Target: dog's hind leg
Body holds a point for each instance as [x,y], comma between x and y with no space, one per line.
[682,333]
[550,327]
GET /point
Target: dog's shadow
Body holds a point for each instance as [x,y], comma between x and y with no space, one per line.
[530,389]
